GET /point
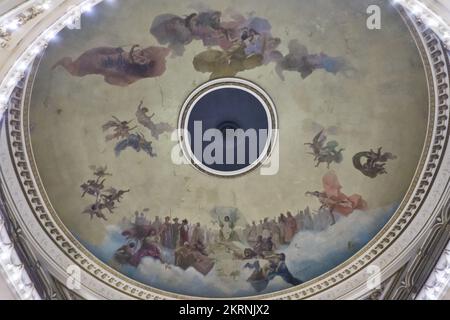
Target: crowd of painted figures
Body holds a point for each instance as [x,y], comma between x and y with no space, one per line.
[147,238]
[178,242]
[258,245]
[275,232]
[187,245]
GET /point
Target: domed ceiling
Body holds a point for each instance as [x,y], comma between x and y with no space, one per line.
[352,112]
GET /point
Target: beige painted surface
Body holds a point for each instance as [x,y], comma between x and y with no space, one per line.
[381,102]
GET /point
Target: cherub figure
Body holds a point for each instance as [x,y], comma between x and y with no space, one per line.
[100,172]
[92,187]
[113,195]
[121,129]
[144,119]
[102,199]
[95,211]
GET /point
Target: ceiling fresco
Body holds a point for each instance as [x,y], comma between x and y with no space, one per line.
[352,112]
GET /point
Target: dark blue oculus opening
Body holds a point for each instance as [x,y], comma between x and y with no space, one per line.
[228,108]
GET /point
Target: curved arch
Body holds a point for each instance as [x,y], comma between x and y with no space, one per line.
[34,37]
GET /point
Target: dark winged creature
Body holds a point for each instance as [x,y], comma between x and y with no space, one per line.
[325,153]
[372,164]
[137,142]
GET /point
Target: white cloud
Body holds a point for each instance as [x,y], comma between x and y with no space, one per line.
[310,254]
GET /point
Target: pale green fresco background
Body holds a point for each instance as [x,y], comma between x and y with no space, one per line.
[383,102]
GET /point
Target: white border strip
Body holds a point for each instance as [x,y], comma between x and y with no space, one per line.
[9,260]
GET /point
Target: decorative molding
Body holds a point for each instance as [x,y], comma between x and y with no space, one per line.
[402,284]
[426,11]
[9,26]
[35,281]
[382,291]
[409,282]
[439,280]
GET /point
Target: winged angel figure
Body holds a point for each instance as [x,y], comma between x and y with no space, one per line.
[334,200]
[325,152]
[128,137]
[102,200]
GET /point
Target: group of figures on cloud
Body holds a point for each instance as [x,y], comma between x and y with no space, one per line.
[239,44]
[132,137]
[184,245]
[273,233]
[118,66]
[243,43]
[257,247]
[232,46]
[188,243]
[370,163]
[105,199]
[146,238]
